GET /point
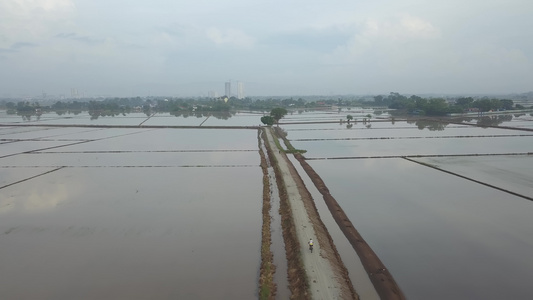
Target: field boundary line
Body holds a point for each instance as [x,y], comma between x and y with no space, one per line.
[470,179]
[29,178]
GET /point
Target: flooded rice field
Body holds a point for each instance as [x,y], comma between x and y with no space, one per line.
[446,223]
[441,237]
[138,213]
[129,213]
[379,138]
[139,118]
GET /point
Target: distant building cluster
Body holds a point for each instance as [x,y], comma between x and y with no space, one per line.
[231,89]
[212,94]
[74,94]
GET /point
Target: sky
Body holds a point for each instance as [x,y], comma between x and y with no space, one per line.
[129,48]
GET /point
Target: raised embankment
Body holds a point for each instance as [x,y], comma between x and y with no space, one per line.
[383,282]
[320,274]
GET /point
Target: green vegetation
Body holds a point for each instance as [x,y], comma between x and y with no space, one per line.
[275,115]
[439,106]
[290,149]
[278,113]
[276,107]
[278,145]
[267,120]
[349,118]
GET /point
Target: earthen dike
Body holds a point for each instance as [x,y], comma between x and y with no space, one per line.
[379,275]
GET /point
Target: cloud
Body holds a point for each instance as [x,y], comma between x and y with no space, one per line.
[21,45]
[322,40]
[6,50]
[404,28]
[230,37]
[32,20]
[27,8]
[344,46]
[387,38]
[75,37]
[417,28]
[17,46]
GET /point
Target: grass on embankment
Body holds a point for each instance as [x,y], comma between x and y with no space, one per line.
[282,134]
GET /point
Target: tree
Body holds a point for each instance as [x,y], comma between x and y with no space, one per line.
[349,118]
[464,102]
[507,104]
[483,104]
[278,113]
[378,100]
[267,120]
[437,107]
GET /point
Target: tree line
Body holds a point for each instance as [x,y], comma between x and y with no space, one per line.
[440,106]
[190,106]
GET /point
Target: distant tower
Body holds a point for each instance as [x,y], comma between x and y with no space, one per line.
[228,89]
[240,90]
[212,94]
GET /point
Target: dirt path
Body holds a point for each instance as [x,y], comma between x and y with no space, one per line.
[327,279]
[381,278]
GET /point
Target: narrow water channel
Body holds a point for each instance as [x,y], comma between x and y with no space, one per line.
[277,245]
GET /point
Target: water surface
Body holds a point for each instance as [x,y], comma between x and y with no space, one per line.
[169,215]
[441,237]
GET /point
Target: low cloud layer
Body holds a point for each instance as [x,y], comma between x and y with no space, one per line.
[187,48]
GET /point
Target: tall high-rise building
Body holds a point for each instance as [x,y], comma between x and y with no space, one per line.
[240,90]
[228,89]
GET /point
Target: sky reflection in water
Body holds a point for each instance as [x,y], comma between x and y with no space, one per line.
[441,236]
[122,229]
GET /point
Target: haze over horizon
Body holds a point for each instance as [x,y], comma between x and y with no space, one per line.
[187,48]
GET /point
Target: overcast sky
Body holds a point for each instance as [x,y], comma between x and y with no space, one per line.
[289,47]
